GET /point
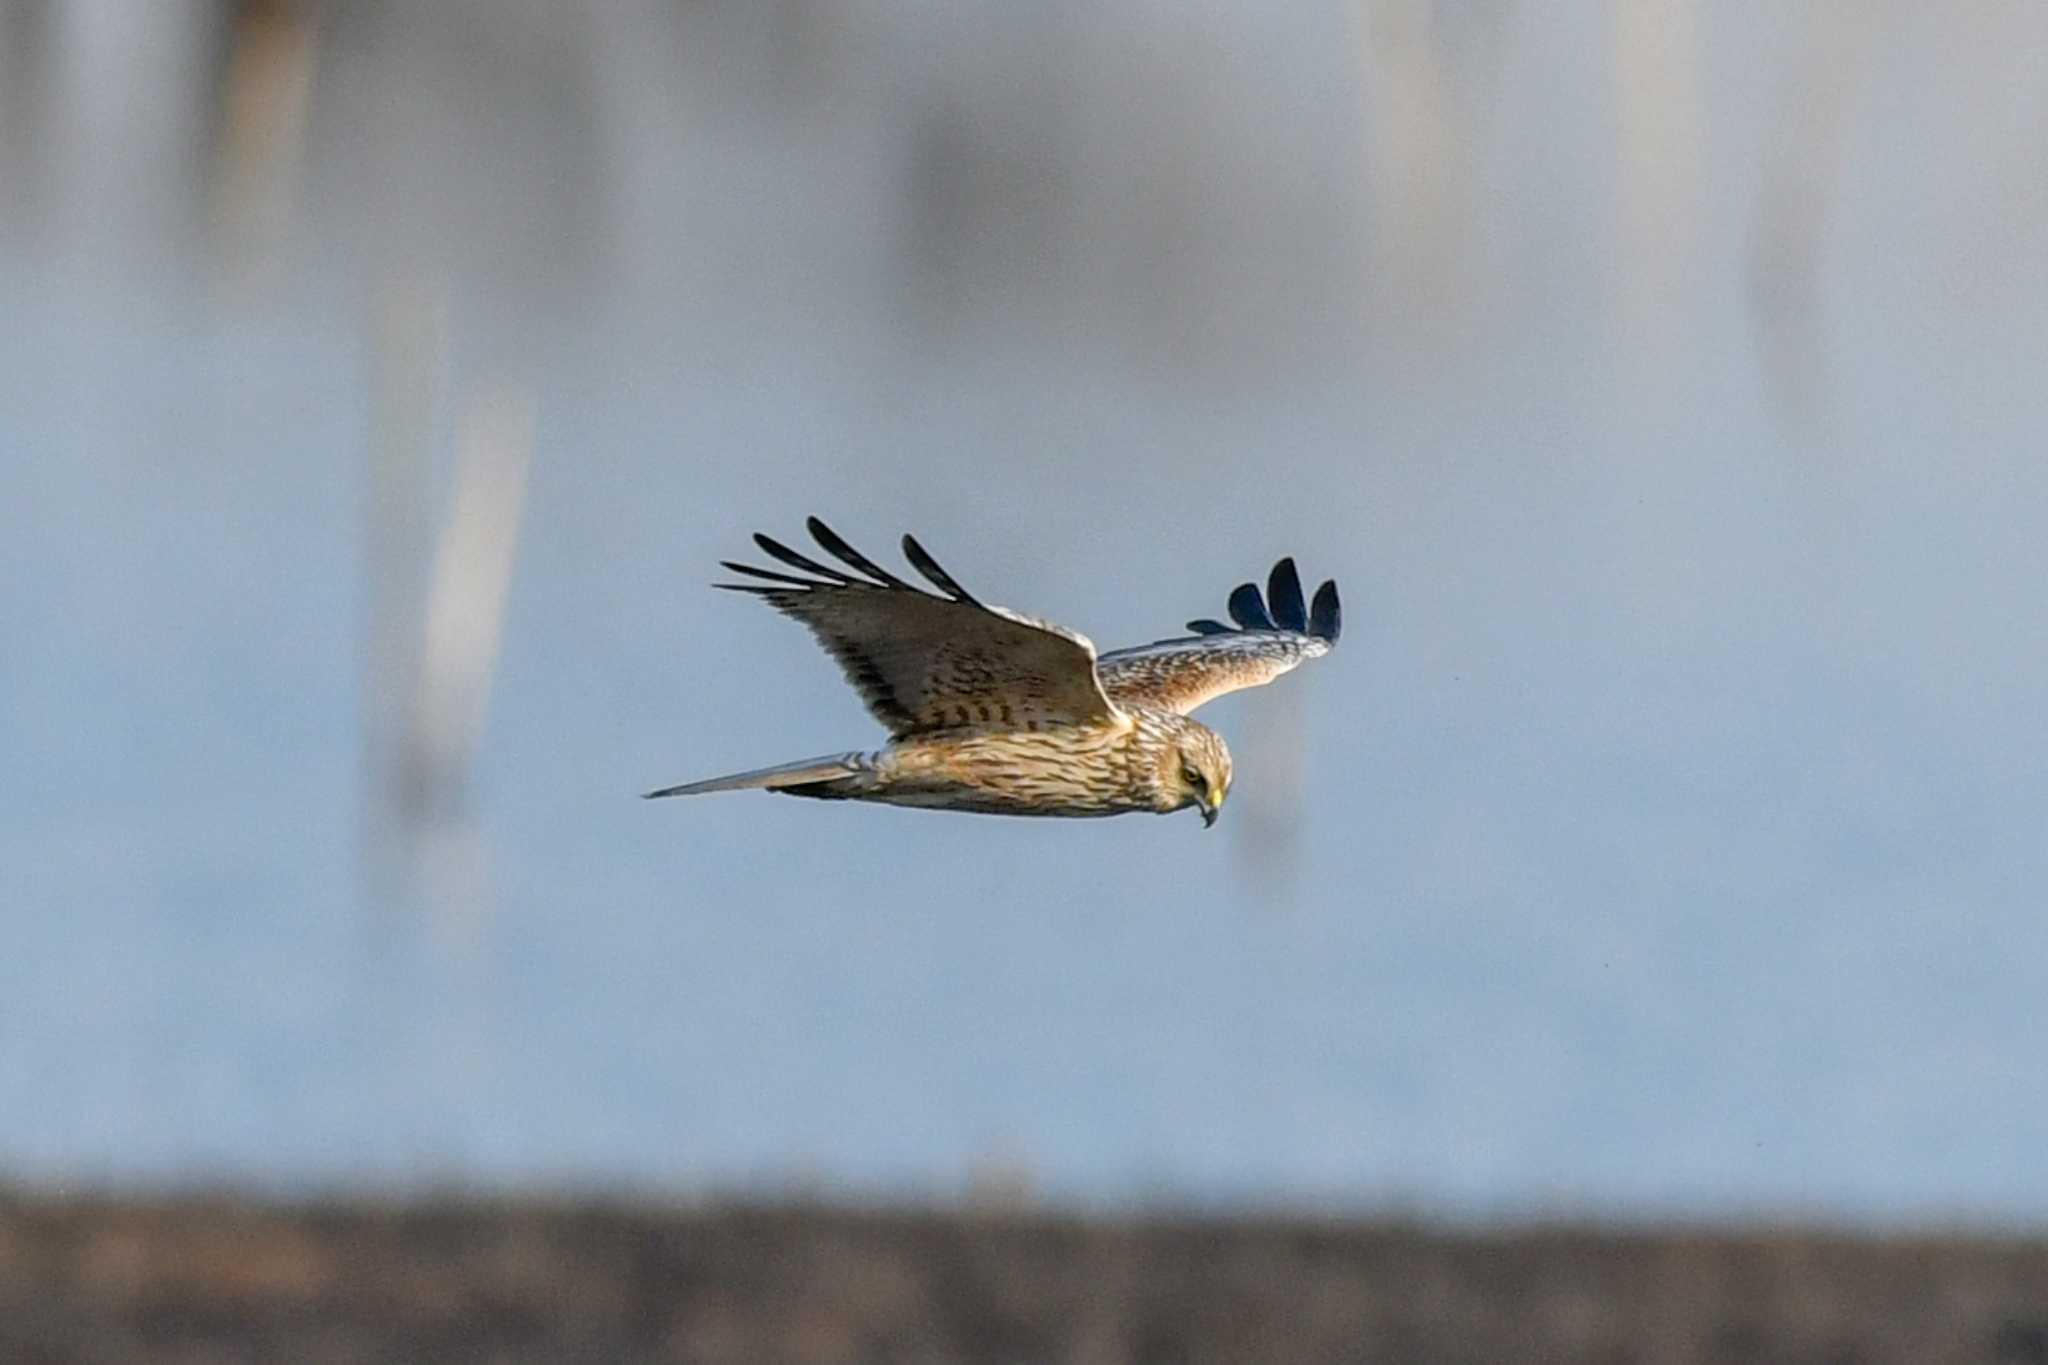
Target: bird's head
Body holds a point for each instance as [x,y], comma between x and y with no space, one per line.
[1195,771]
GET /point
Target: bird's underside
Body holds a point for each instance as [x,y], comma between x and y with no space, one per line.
[1064,770]
[994,712]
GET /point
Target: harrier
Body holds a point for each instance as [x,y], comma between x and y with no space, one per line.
[992,711]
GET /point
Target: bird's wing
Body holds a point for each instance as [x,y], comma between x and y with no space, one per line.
[1181,674]
[926,662]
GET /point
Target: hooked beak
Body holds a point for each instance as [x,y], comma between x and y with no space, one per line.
[1212,806]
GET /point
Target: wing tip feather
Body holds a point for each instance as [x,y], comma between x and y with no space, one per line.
[921,560]
[796,559]
[1248,608]
[867,573]
[837,546]
[1280,607]
[1283,596]
[1326,614]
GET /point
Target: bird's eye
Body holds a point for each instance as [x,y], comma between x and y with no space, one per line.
[1193,778]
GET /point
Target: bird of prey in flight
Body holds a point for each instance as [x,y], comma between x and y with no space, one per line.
[992,711]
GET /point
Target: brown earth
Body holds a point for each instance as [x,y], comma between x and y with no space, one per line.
[96,1281]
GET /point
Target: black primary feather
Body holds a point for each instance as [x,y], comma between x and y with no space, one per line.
[837,546]
[1283,595]
[1248,609]
[769,574]
[1326,616]
[929,567]
[1280,609]
[790,557]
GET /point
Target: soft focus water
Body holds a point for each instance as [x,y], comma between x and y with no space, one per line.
[1664,390]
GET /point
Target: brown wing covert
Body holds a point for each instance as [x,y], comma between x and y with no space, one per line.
[926,662]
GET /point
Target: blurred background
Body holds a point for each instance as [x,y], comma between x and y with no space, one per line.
[1662,381]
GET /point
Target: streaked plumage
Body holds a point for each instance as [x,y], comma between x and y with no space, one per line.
[992,711]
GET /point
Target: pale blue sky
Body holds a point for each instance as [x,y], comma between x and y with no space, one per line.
[1667,832]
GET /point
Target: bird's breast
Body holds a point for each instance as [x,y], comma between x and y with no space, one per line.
[1058,770]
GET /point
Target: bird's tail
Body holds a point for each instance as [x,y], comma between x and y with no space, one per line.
[797,774]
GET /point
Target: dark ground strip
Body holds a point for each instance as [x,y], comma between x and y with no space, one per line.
[93,1282]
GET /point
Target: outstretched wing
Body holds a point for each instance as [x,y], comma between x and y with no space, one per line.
[926,662]
[1181,674]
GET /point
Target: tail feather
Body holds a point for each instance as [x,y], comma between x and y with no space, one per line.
[799,773]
